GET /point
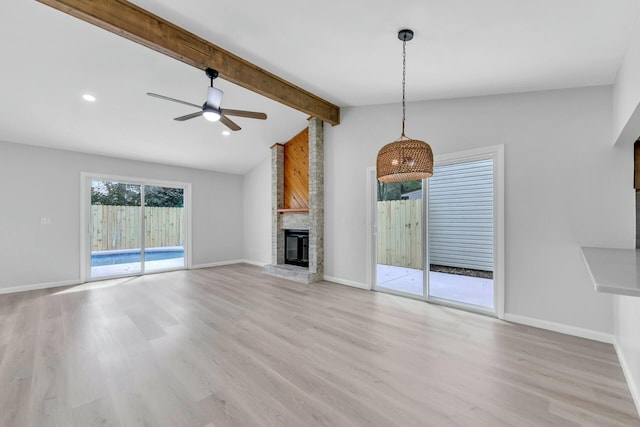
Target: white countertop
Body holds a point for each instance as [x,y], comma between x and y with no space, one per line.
[614,271]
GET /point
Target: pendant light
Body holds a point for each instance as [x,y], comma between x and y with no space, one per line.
[404,159]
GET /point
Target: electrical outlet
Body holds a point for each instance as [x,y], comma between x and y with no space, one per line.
[45,220]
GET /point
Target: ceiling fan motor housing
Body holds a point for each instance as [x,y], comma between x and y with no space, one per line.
[214,97]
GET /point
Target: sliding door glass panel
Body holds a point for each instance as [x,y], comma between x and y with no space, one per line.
[115,228]
[400,255]
[461,233]
[164,228]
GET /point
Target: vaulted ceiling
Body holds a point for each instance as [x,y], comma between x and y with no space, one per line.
[345,52]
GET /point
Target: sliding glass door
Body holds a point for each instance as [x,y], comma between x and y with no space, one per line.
[163,228]
[116,229]
[135,228]
[436,239]
[461,233]
[400,235]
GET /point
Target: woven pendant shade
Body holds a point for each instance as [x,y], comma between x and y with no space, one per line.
[404,160]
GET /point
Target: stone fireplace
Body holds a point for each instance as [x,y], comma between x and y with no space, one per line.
[297,194]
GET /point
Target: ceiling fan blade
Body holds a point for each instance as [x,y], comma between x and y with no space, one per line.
[242,113]
[166,98]
[229,123]
[189,116]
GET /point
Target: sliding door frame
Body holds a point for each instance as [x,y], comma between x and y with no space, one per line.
[85,219]
[372,241]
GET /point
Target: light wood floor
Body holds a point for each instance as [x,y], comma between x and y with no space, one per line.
[229,346]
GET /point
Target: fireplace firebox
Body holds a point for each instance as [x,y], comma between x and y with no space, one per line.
[296,247]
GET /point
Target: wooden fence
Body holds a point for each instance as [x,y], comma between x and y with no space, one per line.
[400,233]
[118,227]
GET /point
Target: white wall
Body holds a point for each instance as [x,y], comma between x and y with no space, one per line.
[38,182]
[626,91]
[257,213]
[626,116]
[566,187]
[627,335]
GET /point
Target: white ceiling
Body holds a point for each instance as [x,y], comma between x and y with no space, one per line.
[344,51]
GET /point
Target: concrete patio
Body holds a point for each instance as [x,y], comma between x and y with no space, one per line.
[453,287]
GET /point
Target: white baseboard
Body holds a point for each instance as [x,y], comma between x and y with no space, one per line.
[559,327]
[633,385]
[230,262]
[347,283]
[36,286]
[256,263]
[217,264]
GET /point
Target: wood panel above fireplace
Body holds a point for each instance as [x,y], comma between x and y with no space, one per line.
[296,171]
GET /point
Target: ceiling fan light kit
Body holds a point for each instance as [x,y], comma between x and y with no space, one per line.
[404,159]
[210,113]
[211,110]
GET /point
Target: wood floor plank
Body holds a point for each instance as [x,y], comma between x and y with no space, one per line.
[7,325]
[231,346]
[14,403]
[99,412]
[17,363]
[49,403]
[145,324]
[126,387]
[161,396]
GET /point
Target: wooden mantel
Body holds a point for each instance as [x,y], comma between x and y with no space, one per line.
[298,210]
[141,26]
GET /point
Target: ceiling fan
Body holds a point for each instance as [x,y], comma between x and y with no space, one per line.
[211,110]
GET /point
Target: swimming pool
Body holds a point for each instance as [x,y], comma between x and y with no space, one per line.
[133,255]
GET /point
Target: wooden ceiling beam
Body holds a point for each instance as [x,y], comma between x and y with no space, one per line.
[141,26]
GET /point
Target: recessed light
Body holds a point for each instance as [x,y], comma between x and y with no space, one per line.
[89,98]
[226,133]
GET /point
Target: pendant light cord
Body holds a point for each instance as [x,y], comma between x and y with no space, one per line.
[404,74]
